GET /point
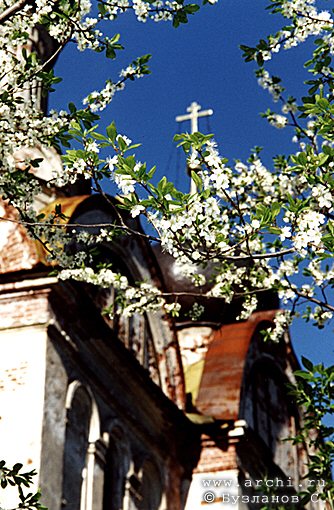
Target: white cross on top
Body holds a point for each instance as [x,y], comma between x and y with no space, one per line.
[193,116]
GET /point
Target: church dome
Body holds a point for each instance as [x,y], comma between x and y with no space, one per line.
[216,310]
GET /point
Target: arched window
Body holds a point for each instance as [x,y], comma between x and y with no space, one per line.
[269,411]
[115,472]
[151,488]
[82,431]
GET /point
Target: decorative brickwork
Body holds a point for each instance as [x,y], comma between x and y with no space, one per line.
[29,307]
[214,458]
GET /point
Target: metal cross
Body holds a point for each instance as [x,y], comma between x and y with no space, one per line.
[193,116]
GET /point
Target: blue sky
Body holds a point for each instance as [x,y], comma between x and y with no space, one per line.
[202,62]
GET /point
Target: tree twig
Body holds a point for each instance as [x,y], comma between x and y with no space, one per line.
[12,10]
[80,225]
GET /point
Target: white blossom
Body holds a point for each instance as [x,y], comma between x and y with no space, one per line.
[278,121]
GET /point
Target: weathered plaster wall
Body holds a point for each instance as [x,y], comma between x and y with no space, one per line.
[22,387]
[207,489]
[53,434]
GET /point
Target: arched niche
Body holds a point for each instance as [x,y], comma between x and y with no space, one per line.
[134,331]
[157,350]
[147,489]
[148,336]
[117,465]
[82,431]
[269,411]
[151,487]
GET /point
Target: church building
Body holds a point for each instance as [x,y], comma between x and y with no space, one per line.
[139,413]
[145,412]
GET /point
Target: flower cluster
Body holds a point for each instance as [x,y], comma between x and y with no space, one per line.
[270,83]
[282,321]
[309,232]
[98,101]
[307,21]
[103,278]
[131,300]
[277,120]
[244,228]
[156,10]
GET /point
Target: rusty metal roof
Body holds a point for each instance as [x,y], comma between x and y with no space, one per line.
[219,391]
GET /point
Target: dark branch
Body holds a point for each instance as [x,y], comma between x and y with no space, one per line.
[12,10]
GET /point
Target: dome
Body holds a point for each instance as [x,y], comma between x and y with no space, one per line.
[216,311]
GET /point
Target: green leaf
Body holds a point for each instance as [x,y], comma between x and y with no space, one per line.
[17,467]
[110,52]
[72,107]
[197,180]
[323,103]
[112,131]
[275,209]
[98,136]
[307,364]
[274,230]
[323,159]
[121,143]
[36,162]
[191,8]
[134,146]
[162,184]
[151,172]
[330,226]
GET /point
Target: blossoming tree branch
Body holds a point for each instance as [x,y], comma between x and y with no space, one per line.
[255,228]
